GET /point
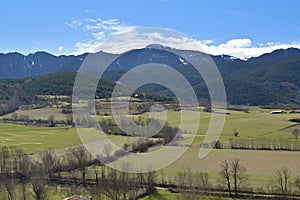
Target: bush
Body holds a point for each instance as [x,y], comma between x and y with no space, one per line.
[216,144]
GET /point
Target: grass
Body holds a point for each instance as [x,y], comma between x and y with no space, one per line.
[261,165]
[41,113]
[257,123]
[35,139]
[161,194]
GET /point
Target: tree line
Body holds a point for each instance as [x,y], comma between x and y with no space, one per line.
[167,133]
[256,144]
[75,171]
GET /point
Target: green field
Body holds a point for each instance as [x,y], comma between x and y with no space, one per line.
[41,113]
[161,194]
[259,123]
[36,139]
[256,124]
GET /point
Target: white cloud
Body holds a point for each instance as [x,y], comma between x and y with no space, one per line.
[98,31]
[237,43]
[99,35]
[207,42]
[74,24]
[243,48]
[123,37]
[111,21]
[89,11]
[60,48]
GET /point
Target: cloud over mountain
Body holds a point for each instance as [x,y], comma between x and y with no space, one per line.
[114,36]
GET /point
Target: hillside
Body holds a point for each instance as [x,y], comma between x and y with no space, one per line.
[16,92]
[270,78]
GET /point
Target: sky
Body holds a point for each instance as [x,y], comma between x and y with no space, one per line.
[241,28]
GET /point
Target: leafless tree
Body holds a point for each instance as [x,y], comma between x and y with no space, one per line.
[282,178]
[296,133]
[48,159]
[135,179]
[97,192]
[111,189]
[189,178]
[150,177]
[4,160]
[82,158]
[226,174]
[238,174]
[181,178]
[233,174]
[201,179]
[297,183]
[124,178]
[10,189]
[70,119]
[163,176]
[23,191]
[38,180]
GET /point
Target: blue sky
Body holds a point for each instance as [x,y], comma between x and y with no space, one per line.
[242,28]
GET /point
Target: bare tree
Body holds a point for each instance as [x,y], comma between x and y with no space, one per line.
[48,159]
[282,178]
[233,174]
[238,174]
[297,183]
[23,191]
[163,176]
[226,174]
[111,189]
[181,178]
[97,192]
[4,160]
[123,180]
[9,186]
[190,178]
[38,181]
[296,133]
[82,157]
[201,179]
[96,172]
[24,166]
[150,176]
[70,119]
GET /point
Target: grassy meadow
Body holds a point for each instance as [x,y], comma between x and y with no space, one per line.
[166,195]
[258,123]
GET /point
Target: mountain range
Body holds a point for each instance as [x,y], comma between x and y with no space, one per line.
[270,78]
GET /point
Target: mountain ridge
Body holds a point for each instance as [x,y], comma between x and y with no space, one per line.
[17,65]
[268,79]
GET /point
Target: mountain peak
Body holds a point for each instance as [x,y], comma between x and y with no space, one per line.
[41,53]
[155,46]
[278,54]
